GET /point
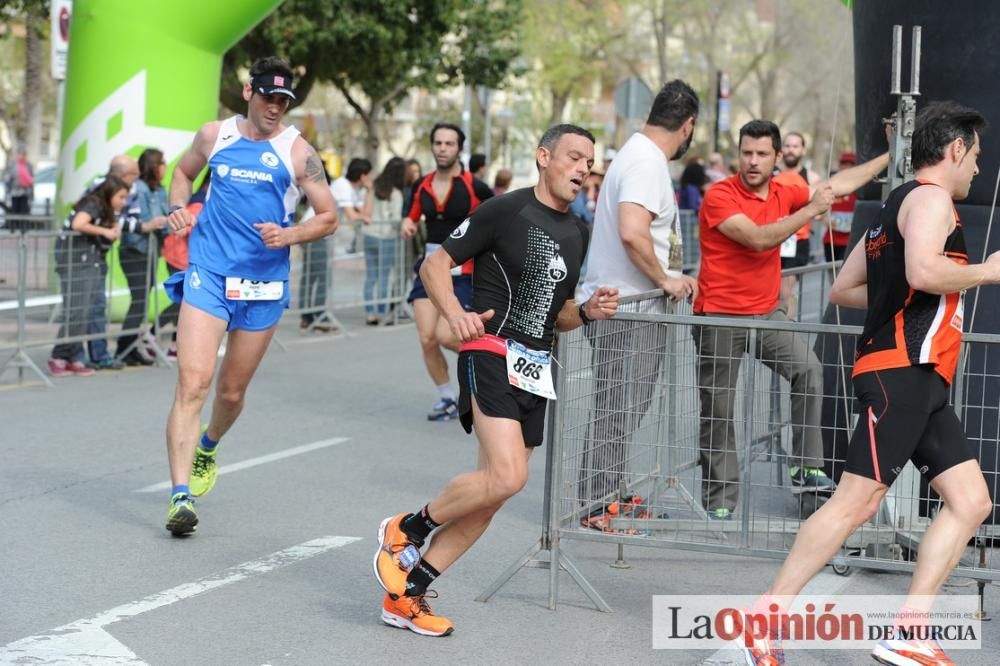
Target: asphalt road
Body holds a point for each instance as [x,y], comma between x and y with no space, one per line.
[279,571]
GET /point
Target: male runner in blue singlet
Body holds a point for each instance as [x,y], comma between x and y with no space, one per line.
[237,280]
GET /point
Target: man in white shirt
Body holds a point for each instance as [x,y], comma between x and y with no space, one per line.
[352,195]
[636,247]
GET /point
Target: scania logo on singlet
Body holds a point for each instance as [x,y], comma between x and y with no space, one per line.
[269,159]
[557,268]
[461,229]
[247,175]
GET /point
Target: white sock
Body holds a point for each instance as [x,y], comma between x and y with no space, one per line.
[446,391]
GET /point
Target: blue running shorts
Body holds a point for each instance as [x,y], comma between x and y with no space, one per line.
[207,292]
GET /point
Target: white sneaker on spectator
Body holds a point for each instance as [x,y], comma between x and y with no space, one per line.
[146,347]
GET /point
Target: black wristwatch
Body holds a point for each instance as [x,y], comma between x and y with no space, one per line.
[173,208]
[583,315]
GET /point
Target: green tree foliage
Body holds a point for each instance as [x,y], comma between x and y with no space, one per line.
[375,51]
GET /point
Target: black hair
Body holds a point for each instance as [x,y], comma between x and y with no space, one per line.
[673,105]
[476,162]
[101,197]
[271,65]
[452,127]
[940,123]
[392,178]
[758,129]
[149,160]
[552,135]
[694,174]
[358,167]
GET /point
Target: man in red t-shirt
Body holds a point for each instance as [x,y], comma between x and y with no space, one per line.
[742,222]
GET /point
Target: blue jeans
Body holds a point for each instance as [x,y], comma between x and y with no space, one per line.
[380,257]
[98,347]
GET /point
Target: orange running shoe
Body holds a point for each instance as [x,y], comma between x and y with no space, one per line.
[415,614]
[895,652]
[763,651]
[396,555]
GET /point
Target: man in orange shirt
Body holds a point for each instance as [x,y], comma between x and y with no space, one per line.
[910,273]
[743,221]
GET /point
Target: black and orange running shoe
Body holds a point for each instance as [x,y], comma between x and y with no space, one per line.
[395,556]
[415,614]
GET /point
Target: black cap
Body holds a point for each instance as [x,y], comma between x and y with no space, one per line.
[273,84]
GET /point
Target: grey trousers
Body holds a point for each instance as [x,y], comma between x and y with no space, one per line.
[720,353]
[626,363]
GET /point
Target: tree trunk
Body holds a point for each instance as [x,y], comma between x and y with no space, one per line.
[559,102]
[372,142]
[33,64]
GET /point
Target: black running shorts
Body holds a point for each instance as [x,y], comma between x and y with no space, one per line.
[484,375]
[905,415]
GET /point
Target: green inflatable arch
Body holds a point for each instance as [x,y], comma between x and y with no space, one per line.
[142,73]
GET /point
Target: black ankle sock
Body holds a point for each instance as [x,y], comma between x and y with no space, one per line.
[419,578]
[419,525]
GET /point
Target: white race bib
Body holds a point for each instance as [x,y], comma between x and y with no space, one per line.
[430,248]
[789,247]
[530,370]
[240,289]
[841,221]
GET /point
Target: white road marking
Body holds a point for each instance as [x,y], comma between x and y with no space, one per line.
[260,460]
[86,643]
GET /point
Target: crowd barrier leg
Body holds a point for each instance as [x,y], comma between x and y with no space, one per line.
[20,359]
[327,317]
[152,293]
[545,553]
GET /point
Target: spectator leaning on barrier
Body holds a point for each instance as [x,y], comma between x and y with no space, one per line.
[636,247]
[382,239]
[910,271]
[79,261]
[134,254]
[126,168]
[743,221]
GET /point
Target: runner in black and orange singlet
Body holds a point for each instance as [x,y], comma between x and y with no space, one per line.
[444,198]
[910,272]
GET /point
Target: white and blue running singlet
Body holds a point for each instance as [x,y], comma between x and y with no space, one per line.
[252,182]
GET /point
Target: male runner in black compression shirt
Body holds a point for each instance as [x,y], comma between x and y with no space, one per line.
[444,198]
[528,249]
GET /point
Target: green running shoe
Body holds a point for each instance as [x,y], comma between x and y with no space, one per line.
[181,518]
[203,470]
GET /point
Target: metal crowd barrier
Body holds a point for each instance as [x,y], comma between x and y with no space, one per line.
[628,424]
[326,276]
[41,289]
